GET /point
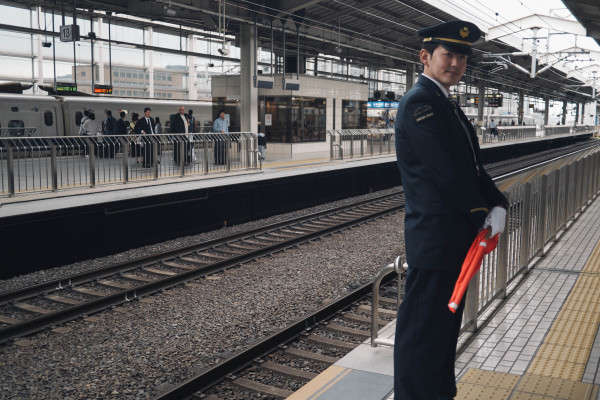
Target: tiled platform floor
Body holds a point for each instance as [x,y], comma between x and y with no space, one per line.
[542,343]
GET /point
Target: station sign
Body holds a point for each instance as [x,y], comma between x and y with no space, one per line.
[493,100]
[65,88]
[103,89]
[382,104]
[69,33]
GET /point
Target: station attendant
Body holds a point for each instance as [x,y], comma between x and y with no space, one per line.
[449,198]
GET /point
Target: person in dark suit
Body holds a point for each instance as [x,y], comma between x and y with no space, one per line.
[179,123]
[449,198]
[145,126]
[122,124]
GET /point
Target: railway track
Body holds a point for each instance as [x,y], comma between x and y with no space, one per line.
[32,309]
[286,360]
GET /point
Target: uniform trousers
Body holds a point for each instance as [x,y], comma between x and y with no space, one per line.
[426,337]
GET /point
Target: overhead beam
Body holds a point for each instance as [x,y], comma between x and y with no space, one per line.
[535,21]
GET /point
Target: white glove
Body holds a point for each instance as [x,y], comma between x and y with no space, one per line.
[495,220]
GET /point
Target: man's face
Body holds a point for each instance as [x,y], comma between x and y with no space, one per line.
[444,66]
[222,115]
[181,110]
[147,113]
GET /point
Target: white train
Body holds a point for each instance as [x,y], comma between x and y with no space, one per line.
[29,115]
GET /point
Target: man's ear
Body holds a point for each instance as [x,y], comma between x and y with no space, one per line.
[424,56]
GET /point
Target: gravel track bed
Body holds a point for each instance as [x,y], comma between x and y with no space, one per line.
[89,265]
[138,350]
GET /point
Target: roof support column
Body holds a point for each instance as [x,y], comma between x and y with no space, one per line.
[410,76]
[481,104]
[564,113]
[150,66]
[192,82]
[40,54]
[100,45]
[521,105]
[582,113]
[546,109]
[248,91]
[576,114]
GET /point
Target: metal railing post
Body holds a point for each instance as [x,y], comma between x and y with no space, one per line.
[154,149]
[472,304]
[362,145]
[228,154]
[53,168]
[502,249]
[10,170]
[541,222]
[394,267]
[525,226]
[205,148]
[125,164]
[92,157]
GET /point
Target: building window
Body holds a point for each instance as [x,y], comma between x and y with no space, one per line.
[128,75]
[122,74]
[354,114]
[82,73]
[15,128]
[115,74]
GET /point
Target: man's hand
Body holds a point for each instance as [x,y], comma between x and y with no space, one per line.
[495,220]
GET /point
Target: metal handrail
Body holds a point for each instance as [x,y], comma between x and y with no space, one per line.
[52,163]
[360,143]
[397,266]
[540,211]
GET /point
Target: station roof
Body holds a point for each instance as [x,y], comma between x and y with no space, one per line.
[376,33]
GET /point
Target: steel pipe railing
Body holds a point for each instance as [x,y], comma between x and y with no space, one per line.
[540,211]
[37,164]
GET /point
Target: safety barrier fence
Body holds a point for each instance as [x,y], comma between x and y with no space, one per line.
[509,133]
[540,211]
[35,164]
[354,143]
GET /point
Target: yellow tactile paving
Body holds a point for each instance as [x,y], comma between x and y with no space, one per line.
[556,388]
[320,384]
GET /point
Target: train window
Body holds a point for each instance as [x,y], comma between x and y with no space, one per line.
[78,116]
[15,127]
[48,118]
[14,109]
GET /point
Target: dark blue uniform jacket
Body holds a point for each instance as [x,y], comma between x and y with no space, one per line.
[448,193]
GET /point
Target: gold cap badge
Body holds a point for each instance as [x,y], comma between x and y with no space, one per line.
[464,32]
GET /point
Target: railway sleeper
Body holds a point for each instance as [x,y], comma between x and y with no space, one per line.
[352,317]
[288,371]
[90,292]
[327,342]
[309,355]
[9,321]
[159,271]
[262,388]
[172,264]
[63,300]
[137,278]
[382,311]
[334,327]
[32,309]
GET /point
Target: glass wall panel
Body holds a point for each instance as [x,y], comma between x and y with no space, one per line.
[354,114]
[294,119]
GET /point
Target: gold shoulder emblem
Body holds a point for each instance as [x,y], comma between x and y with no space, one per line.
[464,32]
[423,112]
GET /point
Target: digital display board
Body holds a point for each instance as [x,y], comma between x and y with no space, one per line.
[65,88]
[493,100]
[103,89]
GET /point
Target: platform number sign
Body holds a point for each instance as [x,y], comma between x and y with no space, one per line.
[69,33]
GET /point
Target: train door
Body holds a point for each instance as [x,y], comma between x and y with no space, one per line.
[49,123]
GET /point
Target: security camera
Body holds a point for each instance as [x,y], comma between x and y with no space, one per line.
[210,65]
[46,44]
[338,49]
[224,51]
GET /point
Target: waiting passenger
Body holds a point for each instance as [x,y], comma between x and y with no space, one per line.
[493,129]
[179,124]
[122,124]
[86,116]
[220,126]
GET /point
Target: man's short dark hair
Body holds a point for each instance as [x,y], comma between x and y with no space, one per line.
[430,47]
[108,112]
[86,113]
[122,114]
[190,112]
[147,109]
[220,111]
